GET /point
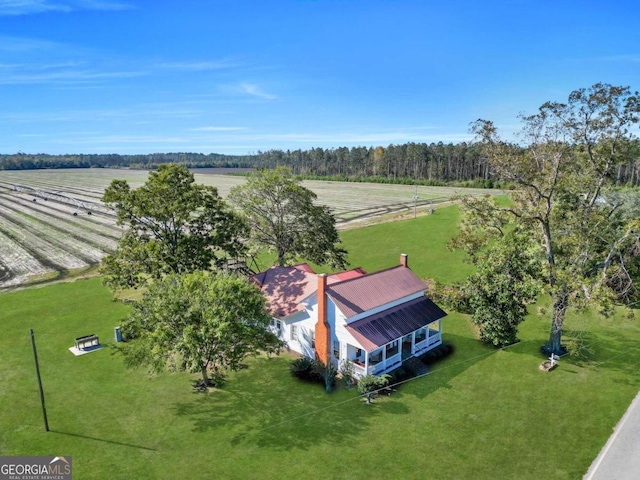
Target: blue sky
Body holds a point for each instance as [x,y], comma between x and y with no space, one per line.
[233,76]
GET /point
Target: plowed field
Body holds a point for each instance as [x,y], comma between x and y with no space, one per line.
[52,221]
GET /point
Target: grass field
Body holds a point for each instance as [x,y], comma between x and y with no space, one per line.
[424,239]
[479,414]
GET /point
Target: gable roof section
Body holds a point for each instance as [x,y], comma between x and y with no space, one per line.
[367,292]
[286,287]
[379,329]
[346,275]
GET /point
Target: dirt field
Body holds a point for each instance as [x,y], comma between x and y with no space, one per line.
[52,222]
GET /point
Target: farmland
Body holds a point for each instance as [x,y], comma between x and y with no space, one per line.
[479,414]
[52,221]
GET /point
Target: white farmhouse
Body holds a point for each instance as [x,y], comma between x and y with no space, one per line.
[375,320]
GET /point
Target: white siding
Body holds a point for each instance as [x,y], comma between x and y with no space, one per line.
[305,325]
[305,322]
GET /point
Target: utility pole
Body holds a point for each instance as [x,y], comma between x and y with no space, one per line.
[35,356]
[415,202]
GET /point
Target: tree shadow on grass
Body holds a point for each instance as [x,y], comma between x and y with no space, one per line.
[467,352]
[527,347]
[264,406]
[609,350]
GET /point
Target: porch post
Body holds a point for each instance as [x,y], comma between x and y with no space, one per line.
[366,362]
[384,357]
[413,343]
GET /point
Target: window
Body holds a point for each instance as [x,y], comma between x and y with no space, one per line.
[336,349]
[313,339]
[375,357]
[392,349]
[294,332]
[277,326]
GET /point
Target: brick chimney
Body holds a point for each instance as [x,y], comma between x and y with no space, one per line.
[404,260]
[323,329]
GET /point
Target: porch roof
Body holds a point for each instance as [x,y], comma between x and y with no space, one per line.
[379,329]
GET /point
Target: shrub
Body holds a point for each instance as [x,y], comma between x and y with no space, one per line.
[317,372]
[327,374]
[432,356]
[347,371]
[370,385]
[428,357]
[400,374]
[313,371]
[302,368]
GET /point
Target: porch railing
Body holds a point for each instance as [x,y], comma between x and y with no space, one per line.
[396,360]
[437,338]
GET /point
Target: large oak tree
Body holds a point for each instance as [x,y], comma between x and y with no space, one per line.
[201,322]
[284,219]
[562,179]
[173,226]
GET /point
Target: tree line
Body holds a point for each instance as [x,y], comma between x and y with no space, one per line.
[430,164]
[150,161]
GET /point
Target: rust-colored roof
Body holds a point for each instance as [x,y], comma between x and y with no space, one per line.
[374,290]
[286,287]
[346,275]
[379,329]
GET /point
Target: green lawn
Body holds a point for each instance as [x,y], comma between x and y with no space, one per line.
[479,414]
[424,239]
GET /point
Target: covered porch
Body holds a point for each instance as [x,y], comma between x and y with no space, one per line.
[390,337]
[392,354]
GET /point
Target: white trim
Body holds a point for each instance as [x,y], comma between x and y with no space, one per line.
[386,306]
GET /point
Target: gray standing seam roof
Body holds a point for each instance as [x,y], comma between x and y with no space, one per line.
[381,328]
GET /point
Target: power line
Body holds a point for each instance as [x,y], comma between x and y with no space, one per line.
[363,395]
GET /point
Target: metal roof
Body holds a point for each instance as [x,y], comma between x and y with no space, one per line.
[367,292]
[286,287]
[379,329]
[346,275]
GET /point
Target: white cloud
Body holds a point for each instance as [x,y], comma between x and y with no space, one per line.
[217,129]
[132,114]
[252,89]
[631,58]
[97,5]
[28,7]
[200,65]
[125,139]
[361,138]
[21,44]
[246,88]
[29,76]
[9,67]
